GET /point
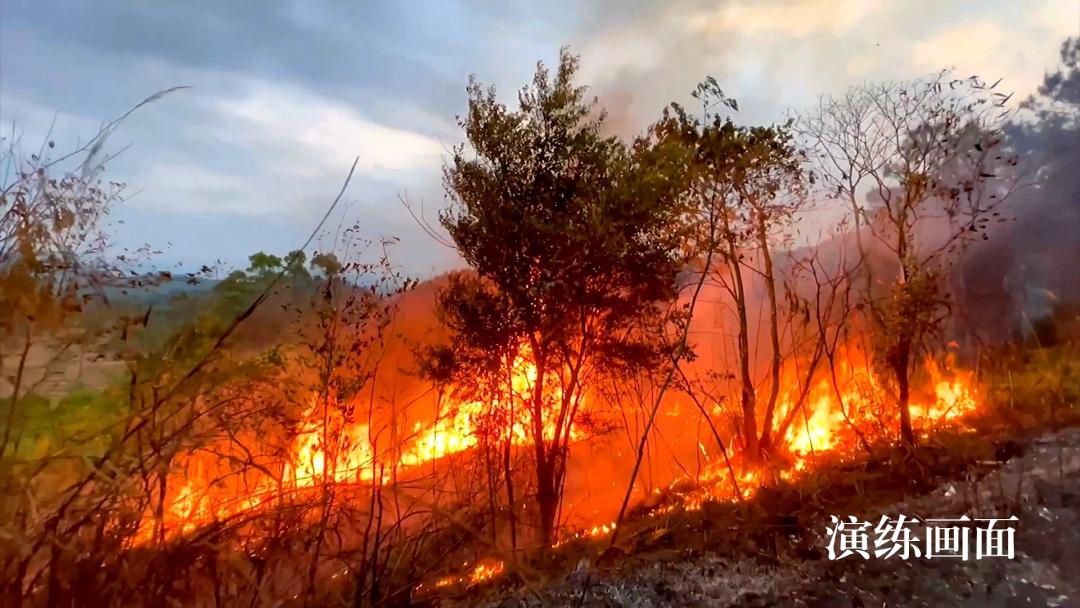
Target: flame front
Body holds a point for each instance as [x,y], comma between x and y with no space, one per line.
[328,448]
[829,418]
[861,402]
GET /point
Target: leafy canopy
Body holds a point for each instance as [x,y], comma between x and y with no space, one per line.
[572,232]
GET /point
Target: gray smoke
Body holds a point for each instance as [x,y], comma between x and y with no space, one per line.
[1028,271]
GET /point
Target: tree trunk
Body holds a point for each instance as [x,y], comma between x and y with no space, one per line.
[508,473]
[746,382]
[774,338]
[903,383]
[545,465]
[903,346]
[507,451]
[546,500]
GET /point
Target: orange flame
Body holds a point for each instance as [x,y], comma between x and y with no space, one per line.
[952,394]
[827,423]
[328,448]
[481,573]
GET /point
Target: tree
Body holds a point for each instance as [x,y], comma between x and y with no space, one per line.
[923,167]
[745,190]
[573,237]
[327,264]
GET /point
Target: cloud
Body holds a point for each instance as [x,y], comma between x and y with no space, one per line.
[973,45]
[308,133]
[28,125]
[797,19]
[285,95]
[995,48]
[192,189]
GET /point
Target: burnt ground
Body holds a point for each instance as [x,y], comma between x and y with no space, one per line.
[761,560]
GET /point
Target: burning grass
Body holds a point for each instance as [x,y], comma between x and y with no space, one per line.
[823,465]
[977,427]
[830,424]
[331,447]
[837,455]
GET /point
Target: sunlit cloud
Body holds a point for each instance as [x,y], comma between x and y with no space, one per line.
[992,48]
[796,19]
[309,132]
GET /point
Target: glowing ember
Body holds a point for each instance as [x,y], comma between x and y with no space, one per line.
[481,573]
[598,531]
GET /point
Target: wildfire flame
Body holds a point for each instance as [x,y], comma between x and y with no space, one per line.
[483,571]
[951,395]
[830,421]
[328,448]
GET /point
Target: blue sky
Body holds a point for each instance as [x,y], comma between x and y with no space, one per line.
[285,94]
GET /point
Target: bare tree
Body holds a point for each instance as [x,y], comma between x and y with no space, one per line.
[922,166]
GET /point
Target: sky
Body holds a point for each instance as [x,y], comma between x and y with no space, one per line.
[284,95]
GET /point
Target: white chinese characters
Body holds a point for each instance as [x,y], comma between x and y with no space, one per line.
[941,538]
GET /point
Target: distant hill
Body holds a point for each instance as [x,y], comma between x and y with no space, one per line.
[160,294]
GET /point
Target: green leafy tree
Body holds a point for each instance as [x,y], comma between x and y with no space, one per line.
[573,237]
